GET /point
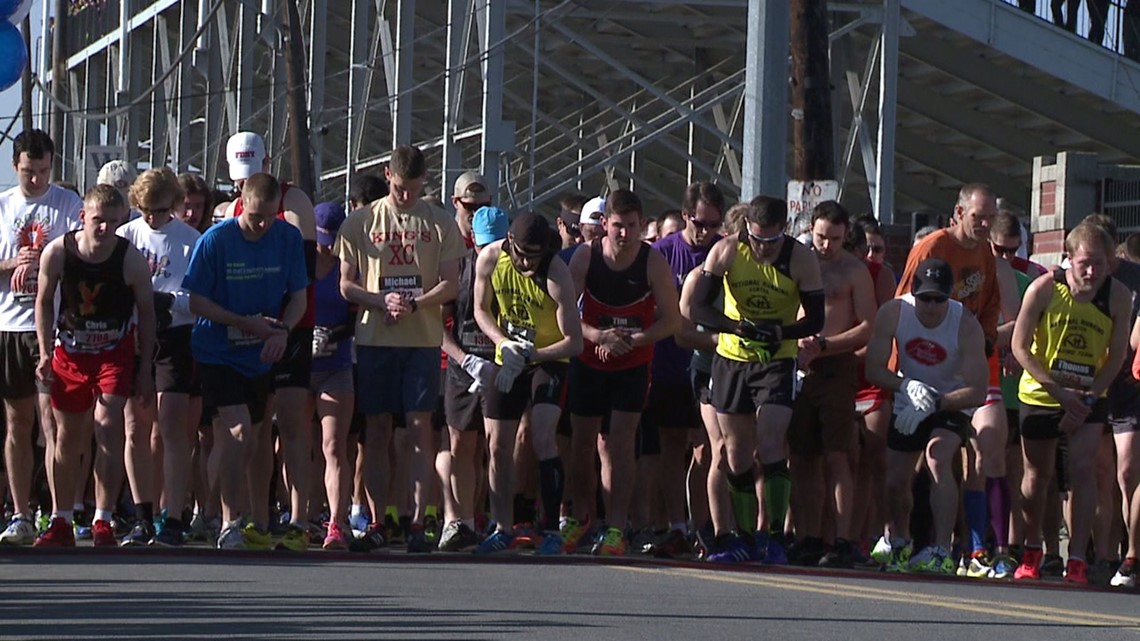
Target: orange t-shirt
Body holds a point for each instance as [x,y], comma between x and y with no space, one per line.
[975,276]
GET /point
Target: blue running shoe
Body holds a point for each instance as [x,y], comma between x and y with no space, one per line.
[359,523]
[737,550]
[775,553]
[497,542]
[551,545]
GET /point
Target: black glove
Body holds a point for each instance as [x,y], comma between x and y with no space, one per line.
[163,314]
[764,331]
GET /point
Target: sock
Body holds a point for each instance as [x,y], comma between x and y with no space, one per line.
[145,511]
[777,494]
[392,512]
[100,515]
[997,496]
[356,510]
[975,504]
[432,511]
[66,515]
[78,507]
[552,481]
[745,506]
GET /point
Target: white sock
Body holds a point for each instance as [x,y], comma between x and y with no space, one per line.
[356,510]
[102,515]
[66,515]
[78,507]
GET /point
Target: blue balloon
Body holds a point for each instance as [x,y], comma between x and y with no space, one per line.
[13,55]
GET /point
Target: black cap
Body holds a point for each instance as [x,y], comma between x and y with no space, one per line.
[933,276]
[529,230]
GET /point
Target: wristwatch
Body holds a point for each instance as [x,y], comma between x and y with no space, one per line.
[822,342]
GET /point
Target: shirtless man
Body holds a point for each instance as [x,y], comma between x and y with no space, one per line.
[822,433]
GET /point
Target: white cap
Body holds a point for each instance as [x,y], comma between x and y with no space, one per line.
[593,212]
[118,174]
[245,152]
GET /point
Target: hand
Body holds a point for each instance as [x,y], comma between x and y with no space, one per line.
[614,341]
[1073,403]
[514,354]
[262,327]
[765,331]
[144,386]
[908,420]
[809,350]
[481,370]
[274,347]
[397,304]
[43,370]
[1009,364]
[28,255]
[505,379]
[1070,422]
[321,345]
[923,397]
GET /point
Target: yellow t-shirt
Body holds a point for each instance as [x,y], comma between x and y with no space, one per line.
[525,310]
[399,251]
[759,291]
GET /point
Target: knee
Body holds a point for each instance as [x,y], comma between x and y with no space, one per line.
[1128,475]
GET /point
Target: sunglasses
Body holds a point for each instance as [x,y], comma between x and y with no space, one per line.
[1003,251]
[876,249]
[702,225]
[469,206]
[932,298]
[534,254]
[765,240]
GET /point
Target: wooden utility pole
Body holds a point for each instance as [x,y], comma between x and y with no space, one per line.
[811,91]
[59,82]
[300,156]
[26,88]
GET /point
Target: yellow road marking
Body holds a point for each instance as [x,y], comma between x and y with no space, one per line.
[1003,609]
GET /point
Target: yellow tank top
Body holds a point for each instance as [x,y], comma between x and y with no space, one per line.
[525,310]
[1071,340]
[759,291]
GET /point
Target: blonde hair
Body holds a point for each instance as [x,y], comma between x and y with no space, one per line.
[156,188]
[734,218]
[104,197]
[1087,235]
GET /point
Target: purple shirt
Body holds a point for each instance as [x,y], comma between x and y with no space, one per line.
[670,362]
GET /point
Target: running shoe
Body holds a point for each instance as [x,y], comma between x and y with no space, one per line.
[394,529]
[431,529]
[374,539]
[457,537]
[1051,565]
[197,529]
[103,534]
[881,553]
[359,523]
[526,536]
[1030,567]
[572,532]
[20,531]
[551,545]
[141,535]
[498,541]
[900,558]
[57,535]
[417,541]
[1077,571]
[255,539]
[295,539]
[232,537]
[807,551]
[81,523]
[933,560]
[611,543]
[734,548]
[672,546]
[1126,575]
[446,537]
[335,538]
[1102,571]
[841,556]
[43,521]
[642,540]
[1003,567]
[775,553]
[170,537]
[978,566]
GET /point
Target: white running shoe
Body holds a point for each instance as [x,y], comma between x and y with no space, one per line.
[20,531]
[231,537]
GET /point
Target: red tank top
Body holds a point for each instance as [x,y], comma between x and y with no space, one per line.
[618,299]
[308,321]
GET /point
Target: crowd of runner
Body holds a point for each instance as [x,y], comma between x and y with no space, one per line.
[266,373]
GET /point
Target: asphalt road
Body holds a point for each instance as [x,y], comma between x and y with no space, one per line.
[191,594]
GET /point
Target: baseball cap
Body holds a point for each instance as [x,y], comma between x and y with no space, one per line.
[570,219]
[488,225]
[329,218]
[933,276]
[245,152]
[118,174]
[472,186]
[593,212]
[530,229]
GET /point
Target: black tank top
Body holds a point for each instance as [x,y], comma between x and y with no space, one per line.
[96,304]
[464,329]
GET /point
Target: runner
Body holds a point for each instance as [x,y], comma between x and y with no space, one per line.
[535,331]
[1071,338]
[289,389]
[766,277]
[32,214]
[239,274]
[87,354]
[166,242]
[629,302]
[822,436]
[399,263]
[940,378]
[672,408]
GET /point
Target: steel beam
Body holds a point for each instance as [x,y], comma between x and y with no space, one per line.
[318,54]
[883,204]
[405,45]
[496,139]
[459,13]
[765,153]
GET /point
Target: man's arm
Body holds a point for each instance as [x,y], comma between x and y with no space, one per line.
[879,348]
[447,287]
[975,371]
[353,291]
[884,285]
[1033,305]
[299,213]
[709,286]
[24,256]
[805,268]
[51,269]
[1010,302]
[485,292]
[451,347]
[561,288]
[991,304]
[1120,306]
[688,337]
[668,319]
[864,305]
[136,272]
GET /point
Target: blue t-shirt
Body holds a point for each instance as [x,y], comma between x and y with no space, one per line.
[332,311]
[250,278]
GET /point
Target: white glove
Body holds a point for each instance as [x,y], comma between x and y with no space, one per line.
[505,379]
[480,369]
[514,353]
[320,341]
[922,397]
[907,421]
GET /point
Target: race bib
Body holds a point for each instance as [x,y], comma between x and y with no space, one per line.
[95,340]
[475,339]
[619,322]
[409,286]
[520,333]
[238,337]
[1072,375]
[26,295]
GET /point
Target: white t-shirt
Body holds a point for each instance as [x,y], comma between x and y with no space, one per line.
[167,251]
[30,222]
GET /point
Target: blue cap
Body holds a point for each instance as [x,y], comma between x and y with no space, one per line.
[329,218]
[489,224]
